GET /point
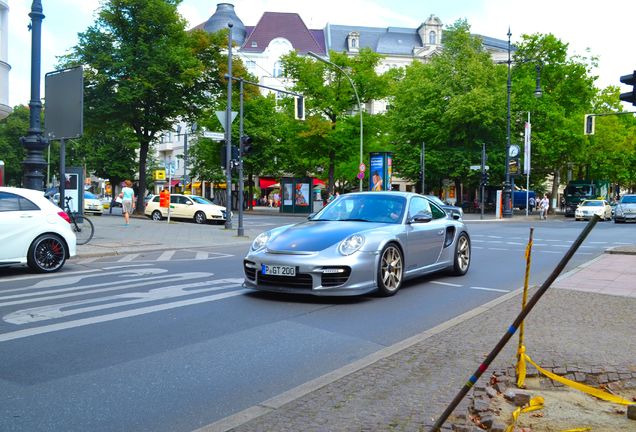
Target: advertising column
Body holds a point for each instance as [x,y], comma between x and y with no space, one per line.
[380,171]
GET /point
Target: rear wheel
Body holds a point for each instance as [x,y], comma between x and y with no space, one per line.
[156,215]
[199,217]
[83,229]
[390,270]
[47,254]
[461,260]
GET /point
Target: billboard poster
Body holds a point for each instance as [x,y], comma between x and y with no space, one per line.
[302,194]
[381,171]
[287,194]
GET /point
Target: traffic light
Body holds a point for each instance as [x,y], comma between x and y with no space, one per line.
[299,108]
[484,178]
[589,124]
[246,145]
[629,96]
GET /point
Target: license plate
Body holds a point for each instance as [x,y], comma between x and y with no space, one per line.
[278,270]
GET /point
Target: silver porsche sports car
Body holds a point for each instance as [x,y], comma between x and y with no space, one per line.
[359,243]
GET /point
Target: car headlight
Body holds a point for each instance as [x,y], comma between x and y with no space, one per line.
[260,241]
[618,211]
[351,244]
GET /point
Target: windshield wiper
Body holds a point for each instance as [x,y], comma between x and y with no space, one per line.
[355,220]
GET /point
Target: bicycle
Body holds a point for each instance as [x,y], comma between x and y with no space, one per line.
[81,225]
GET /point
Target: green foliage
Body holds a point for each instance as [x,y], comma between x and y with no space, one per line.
[12,128]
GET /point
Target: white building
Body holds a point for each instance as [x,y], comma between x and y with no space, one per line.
[5,109]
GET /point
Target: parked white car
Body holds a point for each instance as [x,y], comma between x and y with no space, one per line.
[192,207]
[589,208]
[33,231]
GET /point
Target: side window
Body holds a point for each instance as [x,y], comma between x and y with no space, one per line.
[438,213]
[9,202]
[418,205]
[156,198]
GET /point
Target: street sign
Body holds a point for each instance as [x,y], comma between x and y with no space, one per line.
[216,136]
[478,167]
[362,167]
[222,115]
[361,175]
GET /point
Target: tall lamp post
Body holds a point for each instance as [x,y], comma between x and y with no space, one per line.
[193,128]
[355,91]
[34,142]
[507,191]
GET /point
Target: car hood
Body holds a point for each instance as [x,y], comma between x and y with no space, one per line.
[317,235]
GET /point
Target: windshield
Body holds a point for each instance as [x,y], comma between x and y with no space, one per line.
[89,195]
[593,204]
[579,191]
[200,200]
[628,199]
[367,208]
[436,200]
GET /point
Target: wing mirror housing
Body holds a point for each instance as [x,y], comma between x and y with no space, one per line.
[422,217]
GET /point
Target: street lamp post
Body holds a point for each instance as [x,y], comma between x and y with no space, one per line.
[507,191]
[228,134]
[193,128]
[355,91]
[34,142]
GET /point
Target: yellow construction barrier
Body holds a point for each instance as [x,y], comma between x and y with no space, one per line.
[536,403]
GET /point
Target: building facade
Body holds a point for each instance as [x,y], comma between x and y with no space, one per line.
[5,109]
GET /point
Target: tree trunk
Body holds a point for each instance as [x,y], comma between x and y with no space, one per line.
[141,192]
[554,198]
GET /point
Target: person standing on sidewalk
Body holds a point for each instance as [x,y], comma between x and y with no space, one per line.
[544,205]
[127,200]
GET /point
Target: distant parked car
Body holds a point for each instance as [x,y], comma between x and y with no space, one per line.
[33,231]
[588,208]
[193,207]
[92,204]
[453,211]
[625,210]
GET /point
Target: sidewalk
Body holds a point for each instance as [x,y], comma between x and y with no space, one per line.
[583,325]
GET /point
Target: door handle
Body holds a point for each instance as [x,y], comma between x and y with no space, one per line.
[440,232]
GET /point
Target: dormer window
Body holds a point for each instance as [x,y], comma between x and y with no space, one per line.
[254,44]
[278,69]
[353,41]
[432,38]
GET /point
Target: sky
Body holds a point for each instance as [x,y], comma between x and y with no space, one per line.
[604,28]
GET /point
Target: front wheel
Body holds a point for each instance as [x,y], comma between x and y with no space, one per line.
[156,215]
[461,259]
[47,254]
[199,217]
[390,270]
[83,229]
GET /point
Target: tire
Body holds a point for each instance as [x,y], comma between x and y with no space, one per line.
[83,229]
[156,215]
[199,217]
[390,270]
[462,255]
[47,254]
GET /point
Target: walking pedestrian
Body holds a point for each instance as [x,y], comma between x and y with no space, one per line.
[127,200]
[544,205]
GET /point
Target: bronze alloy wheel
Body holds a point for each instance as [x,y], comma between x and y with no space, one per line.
[461,262]
[391,270]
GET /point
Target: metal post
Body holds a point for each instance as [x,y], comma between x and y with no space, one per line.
[528,170]
[185,160]
[507,191]
[422,165]
[483,175]
[228,134]
[240,231]
[62,188]
[34,142]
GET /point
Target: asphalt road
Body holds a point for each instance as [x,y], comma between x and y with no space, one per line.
[169,341]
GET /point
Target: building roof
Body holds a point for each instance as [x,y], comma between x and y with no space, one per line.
[290,26]
[383,40]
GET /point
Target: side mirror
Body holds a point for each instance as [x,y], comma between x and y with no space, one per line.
[422,217]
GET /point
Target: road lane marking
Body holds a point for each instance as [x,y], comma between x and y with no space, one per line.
[89,289]
[63,310]
[48,276]
[19,334]
[201,255]
[166,256]
[446,283]
[127,258]
[489,289]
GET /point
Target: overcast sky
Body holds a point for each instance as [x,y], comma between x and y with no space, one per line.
[605,28]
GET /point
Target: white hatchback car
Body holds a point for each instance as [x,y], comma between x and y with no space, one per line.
[33,231]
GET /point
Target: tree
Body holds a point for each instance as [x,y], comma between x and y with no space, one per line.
[144,70]
[325,138]
[12,153]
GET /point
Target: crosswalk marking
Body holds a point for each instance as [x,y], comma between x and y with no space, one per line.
[166,256]
[128,258]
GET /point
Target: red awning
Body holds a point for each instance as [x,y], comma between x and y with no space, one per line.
[318,182]
[265,182]
[173,183]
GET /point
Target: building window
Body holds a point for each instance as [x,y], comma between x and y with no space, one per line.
[251,64]
[432,38]
[254,44]
[278,70]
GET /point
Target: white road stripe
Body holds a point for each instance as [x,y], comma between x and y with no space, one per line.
[494,248]
[489,289]
[201,255]
[128,258]
[115,316]
[446,283]
[48,276]
[165,256]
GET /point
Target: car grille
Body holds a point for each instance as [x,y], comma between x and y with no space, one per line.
[300,281]
[336,279]
[250,270]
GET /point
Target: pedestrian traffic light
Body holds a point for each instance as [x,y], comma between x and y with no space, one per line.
[589,124]
[631,95]
[484,178]
[246,145]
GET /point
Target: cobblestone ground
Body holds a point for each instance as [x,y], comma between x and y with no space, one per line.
[405,391]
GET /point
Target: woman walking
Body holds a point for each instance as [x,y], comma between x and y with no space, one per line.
[127,200]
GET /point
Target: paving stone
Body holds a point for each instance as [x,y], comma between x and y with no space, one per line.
[498,426]
[631,412]
[491,392]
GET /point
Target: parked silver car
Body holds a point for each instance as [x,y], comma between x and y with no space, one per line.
[625,210]
[359,243]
